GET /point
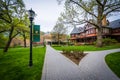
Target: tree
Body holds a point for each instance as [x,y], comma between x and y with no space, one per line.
[3,40]
[8,7]
[58,30]
[12,12]
[94,12]
[25,36]
[24,33]
[24,29]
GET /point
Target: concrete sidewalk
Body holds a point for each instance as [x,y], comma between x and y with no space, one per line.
[94,67]
[91,67]
[58,67]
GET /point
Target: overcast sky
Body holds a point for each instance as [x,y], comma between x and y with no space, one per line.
[47,13]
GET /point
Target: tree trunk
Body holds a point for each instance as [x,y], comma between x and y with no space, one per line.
[25,42]
[99,28]
[9,40]
[24,36]
[99,37]
[7,45]
[58,39]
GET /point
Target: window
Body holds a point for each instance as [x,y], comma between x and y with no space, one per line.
[96,30]
[103,30]
[86,32]
[92,30]
[107,31]
[89,31]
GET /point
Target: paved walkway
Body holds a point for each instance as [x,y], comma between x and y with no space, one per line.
[91,67]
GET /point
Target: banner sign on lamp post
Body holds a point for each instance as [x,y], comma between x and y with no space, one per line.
[36,33]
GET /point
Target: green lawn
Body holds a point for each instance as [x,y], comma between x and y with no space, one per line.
[113,61]
[87,47]
[14,64]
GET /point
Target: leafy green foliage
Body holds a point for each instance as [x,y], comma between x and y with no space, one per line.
[14,64]
[73,52]
[74,49]
[108,41]
[3,40]
[13,18]
[10,9]
[113,61]
[59,30]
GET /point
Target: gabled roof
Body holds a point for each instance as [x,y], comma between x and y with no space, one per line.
[75,31]
[114,24]
[81,29]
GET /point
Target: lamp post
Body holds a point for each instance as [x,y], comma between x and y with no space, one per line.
[31,14]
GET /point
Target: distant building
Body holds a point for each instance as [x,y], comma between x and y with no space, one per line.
[88,33]
[47,38]
[19,42]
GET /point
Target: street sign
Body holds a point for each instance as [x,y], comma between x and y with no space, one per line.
[36,33]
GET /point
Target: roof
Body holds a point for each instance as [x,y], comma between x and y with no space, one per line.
[115,24]
[81,29]
[75,31]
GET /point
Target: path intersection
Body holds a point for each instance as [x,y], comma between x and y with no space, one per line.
[91,67]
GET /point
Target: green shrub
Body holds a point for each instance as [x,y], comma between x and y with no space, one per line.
[73,51]
[109,41]
[65,51]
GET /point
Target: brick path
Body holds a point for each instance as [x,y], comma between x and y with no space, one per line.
[92,67]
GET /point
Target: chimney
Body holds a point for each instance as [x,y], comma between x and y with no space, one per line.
[104,21]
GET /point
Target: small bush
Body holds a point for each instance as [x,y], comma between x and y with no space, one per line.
[73,52]
[56,45]
[107,41]
[66,51]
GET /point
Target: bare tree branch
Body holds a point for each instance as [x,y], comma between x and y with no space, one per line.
[111,6]
[104,3]
[112,10]
[92,23]
[98,1]
[83,8]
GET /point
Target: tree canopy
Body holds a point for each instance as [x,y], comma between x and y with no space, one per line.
[13,19]
[59,30]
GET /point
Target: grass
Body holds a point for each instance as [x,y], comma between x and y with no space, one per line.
[113,61]
[14,64]
[87,47]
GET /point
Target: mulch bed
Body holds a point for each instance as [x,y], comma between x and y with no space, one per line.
[73,58]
